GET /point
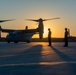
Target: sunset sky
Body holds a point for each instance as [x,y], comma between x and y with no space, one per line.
[35,9]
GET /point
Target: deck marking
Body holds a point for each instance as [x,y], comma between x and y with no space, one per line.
[39,63]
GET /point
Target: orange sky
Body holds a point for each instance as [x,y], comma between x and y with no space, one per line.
[35,9]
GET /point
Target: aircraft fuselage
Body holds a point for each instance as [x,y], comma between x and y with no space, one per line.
[19,37]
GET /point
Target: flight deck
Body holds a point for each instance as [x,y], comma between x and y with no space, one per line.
[37,58]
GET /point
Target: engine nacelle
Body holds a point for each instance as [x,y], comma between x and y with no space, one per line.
[41,33]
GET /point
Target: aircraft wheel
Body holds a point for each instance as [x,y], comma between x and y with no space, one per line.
[28,41]
[15,41]
[8,41]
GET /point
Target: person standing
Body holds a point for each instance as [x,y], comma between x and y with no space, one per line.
[49,37]
[66,37]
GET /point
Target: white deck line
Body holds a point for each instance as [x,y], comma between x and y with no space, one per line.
[39,63]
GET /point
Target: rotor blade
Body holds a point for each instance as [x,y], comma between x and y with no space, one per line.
[32,20]
[1,21]
[51,19]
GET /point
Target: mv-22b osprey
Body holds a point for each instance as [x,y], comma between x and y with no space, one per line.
[26,34]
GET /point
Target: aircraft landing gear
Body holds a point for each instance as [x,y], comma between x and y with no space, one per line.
[15,41]
[8,41]
[28,41]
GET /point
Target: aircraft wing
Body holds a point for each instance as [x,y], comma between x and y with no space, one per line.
[7,30]
[30,31]
[22,31]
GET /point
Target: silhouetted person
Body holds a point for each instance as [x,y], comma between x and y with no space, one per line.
[0,32]
[49,37]
[26,28]
[66,37]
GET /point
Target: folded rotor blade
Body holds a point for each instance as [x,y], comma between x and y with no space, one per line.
[1,21]
[51,19]
[32,20]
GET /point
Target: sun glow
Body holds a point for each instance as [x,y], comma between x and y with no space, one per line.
[45,33]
